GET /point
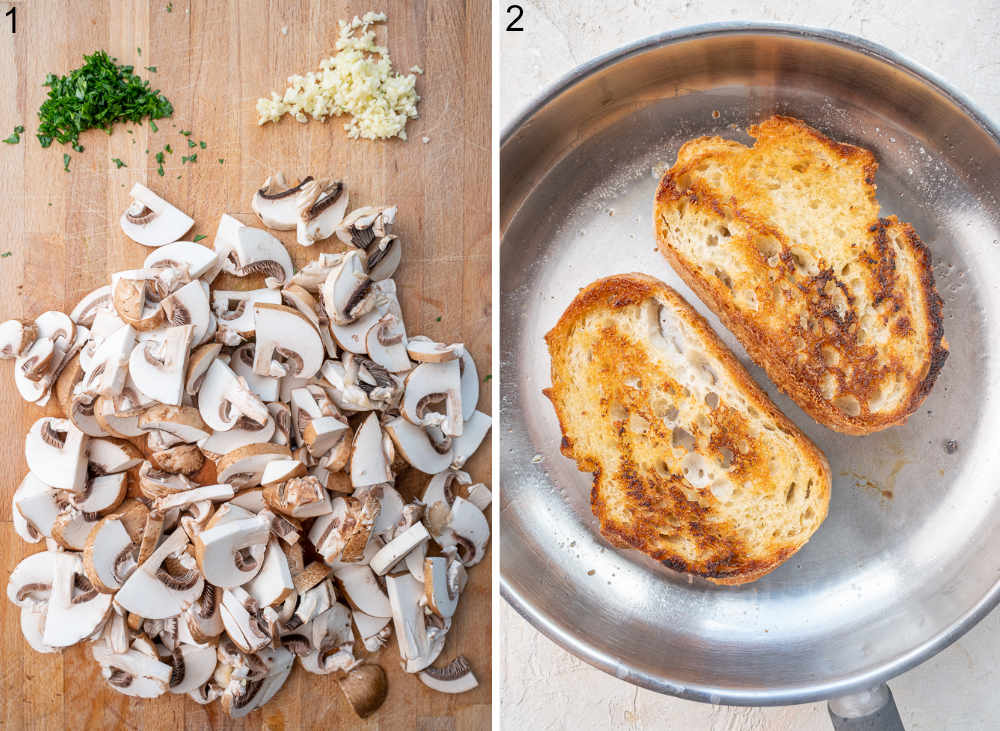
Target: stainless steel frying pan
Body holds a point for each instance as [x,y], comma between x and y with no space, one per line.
[909,557]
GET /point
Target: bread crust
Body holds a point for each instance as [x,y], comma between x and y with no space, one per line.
[916,317]
[714,545]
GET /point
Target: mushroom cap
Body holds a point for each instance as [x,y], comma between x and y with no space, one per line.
[428,381]
[416,447]
[195,667]
[189,305]
[455,677]
[70,617]
[216,549]
[276,202]
[151,221]
[56,452]
[365,688]
[158,365]
[201,262]
[321,207]
[35,508]
[474,431]
[395,550]
[103,560]
[290,334]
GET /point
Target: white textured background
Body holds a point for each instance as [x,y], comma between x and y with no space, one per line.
[543,687]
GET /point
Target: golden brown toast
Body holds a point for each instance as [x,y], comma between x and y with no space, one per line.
[783,241]
[692,463]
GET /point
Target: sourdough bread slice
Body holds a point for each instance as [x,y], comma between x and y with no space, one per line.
[692,463]
[783,241]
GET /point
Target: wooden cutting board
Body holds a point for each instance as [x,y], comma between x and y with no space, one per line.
[213,59]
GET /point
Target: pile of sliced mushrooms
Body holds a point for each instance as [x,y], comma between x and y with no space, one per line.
[259,522]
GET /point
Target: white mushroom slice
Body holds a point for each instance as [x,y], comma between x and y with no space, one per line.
[244,467]
[279,470]
[392,506]
[298,297]
[183,422]
[248,432]
[87,308]
[456,677]
[348,292]
[105,323]
[395,550]
[109,555]
[364,225]
[201,262]
[80,412]
[214,493]
[235,311]
[314,601]
[427,383]
[75,609]
[56,452]
[266,386]
[287,342]
[114,423]
[425,350]
[30,583]
[241,696]
[198,363]
[35,508]
[321,207]
[108,367]
[467,530]
[416,447]
[351,337]
[346,395]
[165,584]
[312,275]
[479,495]
[474,431]
[58,340]
[374,631]
[240,619]
[224,397]
[298,497]
[158,365]
[230,552]
[361,587]
[322,434]
[189,306]
[245,250]
[369,464]
[386,344]
[470,384]
[415,645]
[192,667]
[151,221]
[383,257]
[335,652]
[131,298]
[444,581]
[32,626]
[102,494]
[414,561]
[16,336]
[108,456]
[71,528]
[273,584]
[276,202]
[133,673]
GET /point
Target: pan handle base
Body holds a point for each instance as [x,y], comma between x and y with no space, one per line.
[867,710]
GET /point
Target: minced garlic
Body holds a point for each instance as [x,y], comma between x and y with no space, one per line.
[358,81]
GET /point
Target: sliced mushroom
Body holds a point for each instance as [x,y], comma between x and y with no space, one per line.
[242,360]
[75,609]
[102,494]
[418,646]
[395,550]
[198,363]
[87,308]
[224,397]
[247,432]
[365,688]
[36,507]
[369,464]
[108,367]
[192,667]
[16,336]
[108,456]
[455,677]
[361,587]
[185,459]
[351,337]
[383,257]
[156,483]
[298,297]
[200,261]
[151,221]
[71,528]
[276,202]
[242,695]
[348,292]
[56,452]
[467,530]
[189,305]
[474,431]
[386,344]
[273,584]
[429,383]
[364,225]
[165,584]
[134,673]
[235,309]
[58,340]
[133,301]
[299,497]
[288,344]
[321,206]
[230,552]
[33,626]
[244,467]
[444,581]
[244,250]
[240,617]
[416,447]
[158,365]
[109,556]
[117,424]
[374,631]
[425,350]
[183,422]
[194,495]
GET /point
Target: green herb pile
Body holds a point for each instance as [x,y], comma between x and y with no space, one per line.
[96,96]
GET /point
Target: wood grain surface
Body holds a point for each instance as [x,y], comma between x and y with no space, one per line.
[213,59]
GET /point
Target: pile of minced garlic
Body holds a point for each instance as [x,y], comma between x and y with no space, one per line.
[358,81]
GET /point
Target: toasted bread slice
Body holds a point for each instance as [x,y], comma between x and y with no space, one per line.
[692,463]
[783,241]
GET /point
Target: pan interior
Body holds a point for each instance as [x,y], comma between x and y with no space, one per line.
[910,552]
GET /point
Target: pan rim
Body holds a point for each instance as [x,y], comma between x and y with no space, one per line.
[659,682]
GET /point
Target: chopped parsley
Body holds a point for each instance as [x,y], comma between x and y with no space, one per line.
[159,171]
[222,160]
[159,157]
[170,7]
[151,68]
[5,255]
[202,144]
[118,163]
[66,159]
[97,95]
[488,377]
[186,132]
[15,136]
[193,157]
[199,237]
[192,143]
[169,149]
[438,318]
[152,126]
